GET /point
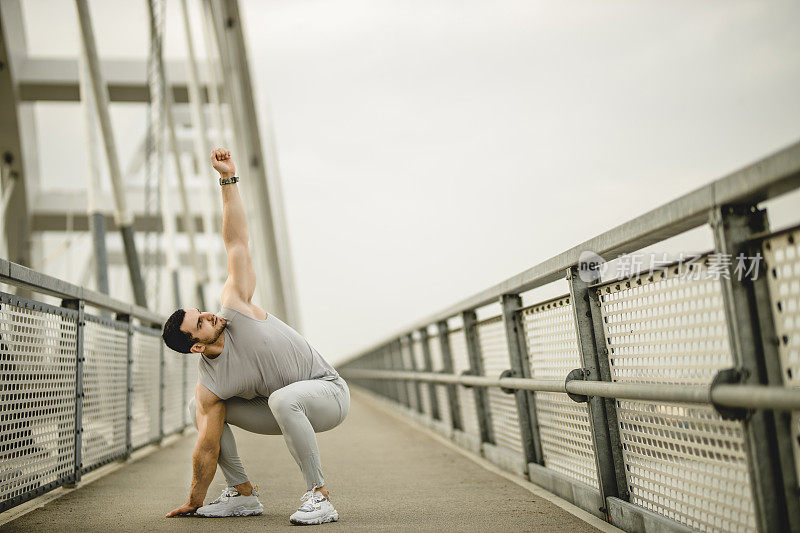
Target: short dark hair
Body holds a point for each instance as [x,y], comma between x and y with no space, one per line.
[178,340]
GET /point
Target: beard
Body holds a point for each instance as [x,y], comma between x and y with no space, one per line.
[217,332]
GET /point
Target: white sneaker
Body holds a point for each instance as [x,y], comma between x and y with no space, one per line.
[231,503]
[315,509]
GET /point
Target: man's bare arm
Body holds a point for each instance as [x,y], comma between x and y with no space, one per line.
[241,282]
[210,421]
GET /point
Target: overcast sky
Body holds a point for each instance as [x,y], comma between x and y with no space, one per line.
[429,149]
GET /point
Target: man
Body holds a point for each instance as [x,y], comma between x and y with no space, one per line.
[257,373]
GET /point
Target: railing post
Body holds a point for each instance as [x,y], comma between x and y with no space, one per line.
[770,474]
[129,386]
[447,365]
[782,419]
[602,411]
[77,305]
[520,365]
[426,357]
[476,367]
[413,363]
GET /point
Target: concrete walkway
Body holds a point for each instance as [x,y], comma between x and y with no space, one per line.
[384,474]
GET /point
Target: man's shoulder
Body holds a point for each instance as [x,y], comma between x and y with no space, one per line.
[248,309]
[205,398]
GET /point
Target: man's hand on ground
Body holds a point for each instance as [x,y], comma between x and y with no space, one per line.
[223,163]
[185,509]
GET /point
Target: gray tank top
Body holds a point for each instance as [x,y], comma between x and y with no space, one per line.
[260,357]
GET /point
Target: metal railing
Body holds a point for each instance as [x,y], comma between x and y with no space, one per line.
[720,394]
[660,401]
[79,389]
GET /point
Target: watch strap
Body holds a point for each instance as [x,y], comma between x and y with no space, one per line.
[226,181]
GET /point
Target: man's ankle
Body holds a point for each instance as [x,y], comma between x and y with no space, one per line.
[322,490]
[245,489]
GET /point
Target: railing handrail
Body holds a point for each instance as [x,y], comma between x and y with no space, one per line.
[767,178]
[727,395]
[20,276]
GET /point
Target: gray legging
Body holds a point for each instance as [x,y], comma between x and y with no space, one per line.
[296,411]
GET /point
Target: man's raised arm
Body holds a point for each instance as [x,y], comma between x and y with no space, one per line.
[241,282]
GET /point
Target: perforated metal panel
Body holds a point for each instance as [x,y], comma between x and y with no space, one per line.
[564,429]
[38,350]
[419,359]
[466,399]
[146,384]
[105,384]
[173,407]
[494,353]
[682,461]
[441,391]
[782,256]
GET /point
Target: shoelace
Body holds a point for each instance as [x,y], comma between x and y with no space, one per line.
[227,492]
[311,500]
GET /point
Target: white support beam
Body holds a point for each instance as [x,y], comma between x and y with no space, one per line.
[99,88]
[56,210]
[95,185]
[117,258]
[59,80]
[15,225]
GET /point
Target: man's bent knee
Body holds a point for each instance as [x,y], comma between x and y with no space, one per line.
[282,406]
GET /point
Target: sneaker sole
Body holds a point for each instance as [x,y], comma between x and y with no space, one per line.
[333,517]
[237,512]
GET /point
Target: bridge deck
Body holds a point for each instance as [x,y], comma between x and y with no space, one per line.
[384,473]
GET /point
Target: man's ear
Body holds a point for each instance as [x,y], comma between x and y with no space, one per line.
[198,347]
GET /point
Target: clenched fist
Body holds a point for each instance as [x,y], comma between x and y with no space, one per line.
[222,162]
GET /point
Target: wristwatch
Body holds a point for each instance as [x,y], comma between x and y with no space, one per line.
[226,181]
